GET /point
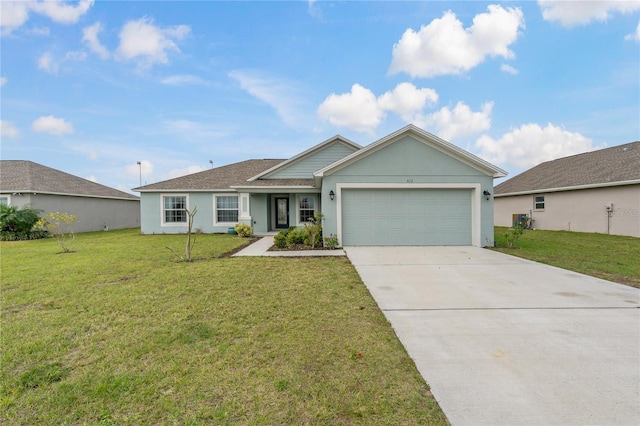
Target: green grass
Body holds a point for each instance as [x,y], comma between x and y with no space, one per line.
[611,257]
[119,332]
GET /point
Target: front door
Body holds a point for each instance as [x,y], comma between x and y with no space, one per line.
[282,213]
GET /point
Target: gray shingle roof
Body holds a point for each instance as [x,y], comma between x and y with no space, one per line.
[605,166]
[29,177]
[225,177]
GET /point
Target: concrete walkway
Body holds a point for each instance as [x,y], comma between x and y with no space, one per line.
[262,246]
[505,341]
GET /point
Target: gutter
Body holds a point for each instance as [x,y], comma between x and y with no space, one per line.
[570,188]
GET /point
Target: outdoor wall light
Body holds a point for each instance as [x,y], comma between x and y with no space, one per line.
[487,195]
[332,195]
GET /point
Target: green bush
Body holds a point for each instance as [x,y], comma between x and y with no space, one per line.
[296,236]
[313,231]
[331,242]
[243,230]
[35,234]
[18,220]
[280,240]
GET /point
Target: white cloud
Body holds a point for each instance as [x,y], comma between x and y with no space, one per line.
[407,101]
[92,178]
[572,13]
[362,111]
[39,31]
[46,63]
[3,81]
[444,46]
[8,130]
[90,38]
[52,125]
[459,121]
[278,93]
[61,12]
[314,10]
[75,55]
[531,144]
[357,110]
[508,69]
[13,14]
[185,171]
[634,36]
[184,80]
[147,43]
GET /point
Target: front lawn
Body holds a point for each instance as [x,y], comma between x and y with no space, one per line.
[119,332]
[611,257]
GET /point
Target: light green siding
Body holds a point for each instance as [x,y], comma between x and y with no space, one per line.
[151,213]
[408,161]
[306,166]
[409,158]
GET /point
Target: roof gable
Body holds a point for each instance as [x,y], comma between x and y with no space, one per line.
[421,136]
[28,177]
[603,167]
[303,165]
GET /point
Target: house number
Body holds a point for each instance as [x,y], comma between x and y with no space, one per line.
[409,180]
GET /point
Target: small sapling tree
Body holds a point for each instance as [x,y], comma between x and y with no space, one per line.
[60,226]
[191,238]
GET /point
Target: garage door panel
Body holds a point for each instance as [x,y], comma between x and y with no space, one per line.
[406,217]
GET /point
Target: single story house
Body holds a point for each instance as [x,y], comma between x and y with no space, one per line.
[596,191]
[97,207]
[408,188]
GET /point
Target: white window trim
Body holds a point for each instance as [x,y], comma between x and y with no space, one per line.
[215,208]
[162,215]
[544,201]
[315,207]
[476,199]
[8,197]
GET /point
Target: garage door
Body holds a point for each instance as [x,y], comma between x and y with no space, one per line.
[406,217]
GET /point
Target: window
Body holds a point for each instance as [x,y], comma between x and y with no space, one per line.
[306,206]
[227,209]
[4,200]
[539,202]
[173,211]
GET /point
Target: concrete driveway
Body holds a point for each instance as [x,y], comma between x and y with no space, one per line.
[505,341]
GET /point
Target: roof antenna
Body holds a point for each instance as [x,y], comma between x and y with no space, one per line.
[211,162]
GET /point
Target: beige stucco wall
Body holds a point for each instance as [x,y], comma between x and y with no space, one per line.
[579,210]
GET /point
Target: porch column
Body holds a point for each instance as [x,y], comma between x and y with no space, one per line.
[245,208]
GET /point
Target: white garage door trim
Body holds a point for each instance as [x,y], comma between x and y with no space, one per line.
[475,200]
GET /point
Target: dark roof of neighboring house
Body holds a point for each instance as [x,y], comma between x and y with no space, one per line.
[603,167]
[20,176]
[225,177]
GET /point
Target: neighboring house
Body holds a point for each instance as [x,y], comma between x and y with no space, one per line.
[97,207]
[408,188]
[596,191]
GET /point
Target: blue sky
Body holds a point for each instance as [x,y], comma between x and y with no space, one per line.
[91,88]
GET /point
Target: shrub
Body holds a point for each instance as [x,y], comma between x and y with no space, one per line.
[516,232]
[331,242]
[18,220]
[34,234]
[243,230]
[60,226]
[296,236]
[313,231]
[280,240]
